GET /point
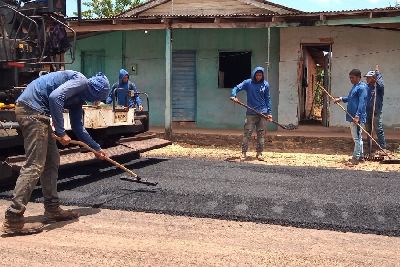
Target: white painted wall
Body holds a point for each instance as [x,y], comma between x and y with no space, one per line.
[353,47]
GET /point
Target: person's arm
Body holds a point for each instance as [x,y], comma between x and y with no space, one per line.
[75,115]
[241,86]
[267,96]
[110,97]
[362,96]
[380,86]
[138,100]
[59,96]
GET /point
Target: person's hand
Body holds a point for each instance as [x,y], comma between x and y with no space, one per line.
[234,99]
[337,99]
[140,108]
[356,119]
[101,155]
[269,117]
[64,140]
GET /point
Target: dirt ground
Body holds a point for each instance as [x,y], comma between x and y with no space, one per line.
[120,238]
[338,161]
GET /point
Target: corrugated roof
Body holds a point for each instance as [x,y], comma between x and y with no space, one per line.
[153,8]
[199,14]
[338,12]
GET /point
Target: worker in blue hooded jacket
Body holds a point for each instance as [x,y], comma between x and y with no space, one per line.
[123,98]
[259,98]
[356,113]
[46,97]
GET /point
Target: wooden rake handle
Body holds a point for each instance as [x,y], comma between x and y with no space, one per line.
[351,116]
[86,146]
[264,116]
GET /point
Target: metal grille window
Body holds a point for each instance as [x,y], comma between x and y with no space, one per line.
[234,67]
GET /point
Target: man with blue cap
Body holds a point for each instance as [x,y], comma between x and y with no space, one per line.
[45,98]
[376,91]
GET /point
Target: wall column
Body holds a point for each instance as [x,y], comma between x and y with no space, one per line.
[168,75]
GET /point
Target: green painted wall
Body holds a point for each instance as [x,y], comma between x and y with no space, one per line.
[147,52]
[111,43]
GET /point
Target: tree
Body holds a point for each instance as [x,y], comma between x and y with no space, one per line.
[107,8]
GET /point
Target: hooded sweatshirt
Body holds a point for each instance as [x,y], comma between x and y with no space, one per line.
[50,94]
[258,95]
[122,95]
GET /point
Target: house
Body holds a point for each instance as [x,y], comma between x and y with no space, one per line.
[188,54]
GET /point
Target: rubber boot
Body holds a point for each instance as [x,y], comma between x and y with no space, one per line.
[14,224]
[57,214]
[243,157]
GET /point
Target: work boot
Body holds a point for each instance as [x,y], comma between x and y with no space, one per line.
[14,224]
[353,162]
[260,157]
[243,157]
[58,214]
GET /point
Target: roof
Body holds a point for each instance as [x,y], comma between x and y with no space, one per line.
[346,12]
[206,8]
[161,14]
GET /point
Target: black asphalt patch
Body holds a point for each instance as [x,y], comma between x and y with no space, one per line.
[317,198]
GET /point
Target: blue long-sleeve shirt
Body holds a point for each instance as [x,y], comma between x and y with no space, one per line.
[357,102]
[122,94]
[258,93]
[380,92]
[50,94]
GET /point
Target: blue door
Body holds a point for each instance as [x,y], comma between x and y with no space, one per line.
[184,86]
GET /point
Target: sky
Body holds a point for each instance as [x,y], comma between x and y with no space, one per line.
[303,5]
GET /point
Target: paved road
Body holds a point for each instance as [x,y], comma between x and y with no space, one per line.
[342,200]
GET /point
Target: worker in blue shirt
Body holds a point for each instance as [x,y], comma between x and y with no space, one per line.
[259,98]
[356,106]
[375,104]
[123,96]
[43,100]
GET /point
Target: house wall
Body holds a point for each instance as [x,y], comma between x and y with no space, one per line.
[112,46]
[147,52]
[352,47]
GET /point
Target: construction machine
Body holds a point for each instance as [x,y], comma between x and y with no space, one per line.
[34,38]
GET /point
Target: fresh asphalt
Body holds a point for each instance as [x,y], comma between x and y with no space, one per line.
[318,198]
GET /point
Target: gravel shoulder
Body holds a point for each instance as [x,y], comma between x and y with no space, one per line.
[278,158]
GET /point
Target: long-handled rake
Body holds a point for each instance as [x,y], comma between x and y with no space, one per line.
[391,160]
[133,176]
[286,127]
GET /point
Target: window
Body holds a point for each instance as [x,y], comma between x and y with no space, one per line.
[234,67]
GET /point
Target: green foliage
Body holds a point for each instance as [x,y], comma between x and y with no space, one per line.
[107,8]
